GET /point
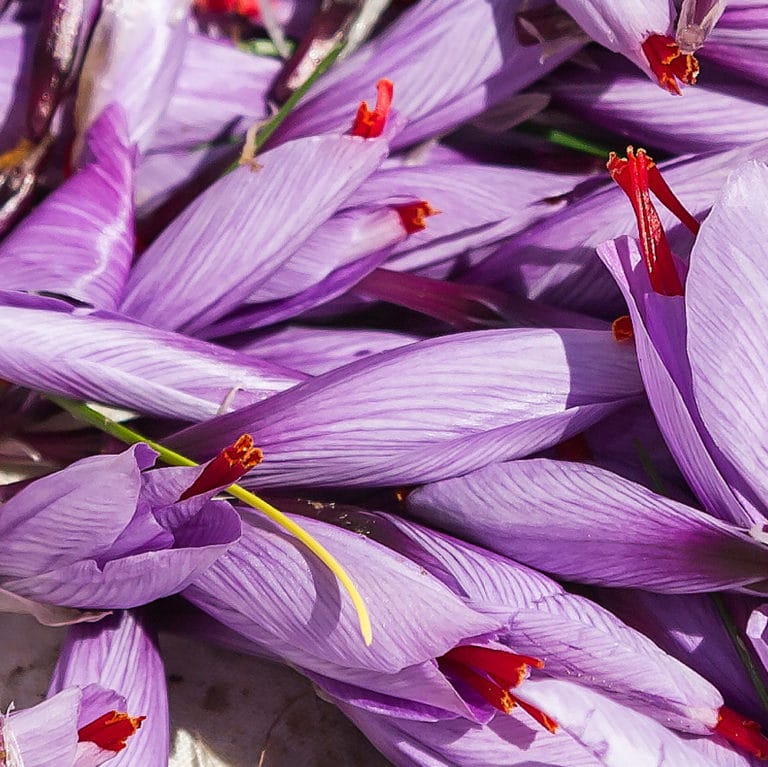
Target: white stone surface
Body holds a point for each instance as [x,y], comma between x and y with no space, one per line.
[227,710]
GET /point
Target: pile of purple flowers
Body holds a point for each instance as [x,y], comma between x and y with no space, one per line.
[336,334]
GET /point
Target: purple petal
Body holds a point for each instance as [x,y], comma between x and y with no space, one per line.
[317,350]
[619,735]
[77,506]
[134,55]
[545,513]
[573,636]
[234,235]
[138,578]
[554,260]
[118,361]
[219,89]
[716,115]
[725,303]
[433,409]
[622,25]
[120,654]
[89,217]
[507,741]
[660,343]
[15,62]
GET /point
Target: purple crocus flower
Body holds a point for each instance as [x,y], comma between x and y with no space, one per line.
[121,653]
[554,260]
[536,624]
[700,361]
[78,727]
[124,536]
[433,409]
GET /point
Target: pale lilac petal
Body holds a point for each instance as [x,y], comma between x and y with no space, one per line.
[134,55]
[120,654]
[220,89]
[86,513]
[234,235]
[725,304]
[57,718]
[478,204]
[716,115]
[138,578]
[691,629]
[335,285]
[48,346]
[554,260]
[545,513]
[15,58]
[574,637]
[623,25]
[433,409]
[272,591]
[90,220]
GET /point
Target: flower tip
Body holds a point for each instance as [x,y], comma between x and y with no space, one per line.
[370,123]
[742,732]
[111,730]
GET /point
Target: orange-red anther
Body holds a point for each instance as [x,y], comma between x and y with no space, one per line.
[669,64]
[370,123]
[414,215]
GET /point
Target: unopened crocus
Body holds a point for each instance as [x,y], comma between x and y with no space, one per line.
[433,409]
[540,631]
[124,536]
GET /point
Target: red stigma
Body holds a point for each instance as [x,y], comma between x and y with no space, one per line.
[111,730]
[370,124]
[413,215]
[669,64]
[226,468]
[632,175]
[622,330]
[491,673]
[742,732]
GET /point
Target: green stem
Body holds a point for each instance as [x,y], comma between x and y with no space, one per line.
[742,650]
[86,414]
[266,131]
[567,140]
